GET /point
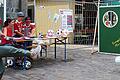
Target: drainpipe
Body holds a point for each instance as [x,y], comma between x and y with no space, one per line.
[20,5]
[4,10]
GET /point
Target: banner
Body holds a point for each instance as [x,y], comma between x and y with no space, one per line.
[109,29]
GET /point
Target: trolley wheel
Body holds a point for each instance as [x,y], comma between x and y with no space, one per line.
[10,62]
[27,65]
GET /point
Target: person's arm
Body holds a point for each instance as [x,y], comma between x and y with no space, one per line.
[16,30]
[1,34]
[33,31]
[19,33]
[33,27]
[5,32]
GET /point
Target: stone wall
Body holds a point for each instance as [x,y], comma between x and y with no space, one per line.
[13,7]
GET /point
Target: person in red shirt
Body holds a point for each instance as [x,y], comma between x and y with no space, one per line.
[10,51]
[8,27]
[28,28]
[18,25]
[7,31]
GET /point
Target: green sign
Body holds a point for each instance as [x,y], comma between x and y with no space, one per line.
[115,3]
[109,29]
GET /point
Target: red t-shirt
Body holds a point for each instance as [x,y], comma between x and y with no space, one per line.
[18,26]
[27,29]
[9,34]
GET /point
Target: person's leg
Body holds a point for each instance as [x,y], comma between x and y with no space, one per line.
[1,76]
[10,51]
[2,68]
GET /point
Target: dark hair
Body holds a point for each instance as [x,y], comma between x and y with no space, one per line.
[6,23]
[27,18]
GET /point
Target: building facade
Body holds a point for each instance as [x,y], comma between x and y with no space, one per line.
[85,12]
[42,12]
[45,11]
[85,21]
[14,6]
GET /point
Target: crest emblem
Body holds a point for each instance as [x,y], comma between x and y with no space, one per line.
[110,19]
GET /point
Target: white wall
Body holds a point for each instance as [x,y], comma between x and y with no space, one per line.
[1,1]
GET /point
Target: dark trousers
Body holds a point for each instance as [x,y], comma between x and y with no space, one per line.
[10,51]
[2,68]
[1,76]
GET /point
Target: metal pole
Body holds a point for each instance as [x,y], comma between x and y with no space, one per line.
[82,15]
[55,47]
[20,5]
[4,21]
[95,27]
[98,24]
[4,10]
[65,55]
[35,17]
[34,10]
[25,56]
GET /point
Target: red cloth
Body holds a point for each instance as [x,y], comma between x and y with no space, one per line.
[29,29]
[18,26]
[9,34]
[3,40]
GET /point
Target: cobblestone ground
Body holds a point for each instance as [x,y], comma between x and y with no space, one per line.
[80,66]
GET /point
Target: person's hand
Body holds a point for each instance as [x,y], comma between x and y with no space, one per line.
[30,35]
[8,38]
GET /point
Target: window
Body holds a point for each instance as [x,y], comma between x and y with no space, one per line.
[30,0]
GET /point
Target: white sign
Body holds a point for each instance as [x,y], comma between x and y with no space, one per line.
[67,19]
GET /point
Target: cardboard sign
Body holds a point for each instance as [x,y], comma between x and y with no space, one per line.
[67,19]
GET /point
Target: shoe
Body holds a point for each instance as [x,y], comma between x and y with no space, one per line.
[35,52]
[33,56]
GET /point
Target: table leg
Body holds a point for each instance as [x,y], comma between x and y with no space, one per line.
[41,52]
[65,55]
[55,47]
[25,56]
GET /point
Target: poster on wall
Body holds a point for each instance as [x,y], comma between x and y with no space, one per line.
[66,19]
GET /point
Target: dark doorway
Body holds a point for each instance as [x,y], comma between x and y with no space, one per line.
[31,12]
